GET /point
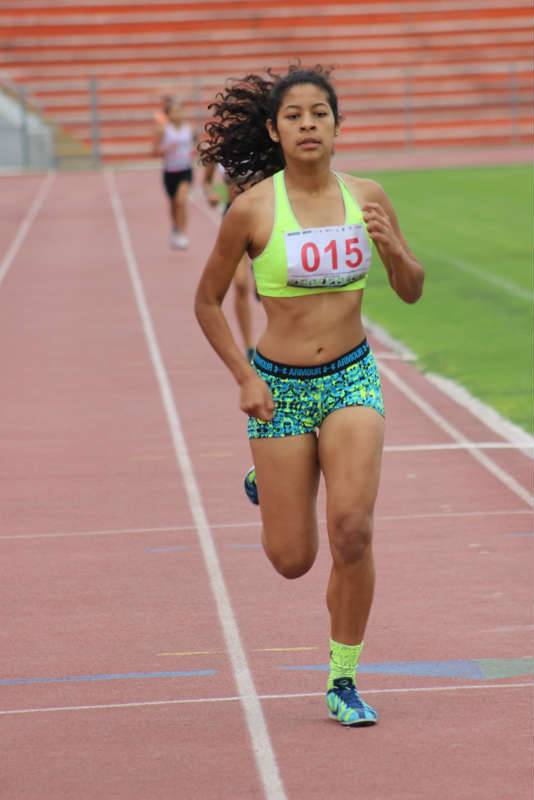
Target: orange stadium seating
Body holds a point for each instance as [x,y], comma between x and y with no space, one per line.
[409,74]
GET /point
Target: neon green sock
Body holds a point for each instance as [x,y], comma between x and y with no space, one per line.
[343,661]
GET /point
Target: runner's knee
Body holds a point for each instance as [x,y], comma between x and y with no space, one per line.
[291,563]
[351,535]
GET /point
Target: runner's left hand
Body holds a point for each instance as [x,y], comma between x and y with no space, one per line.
[380,229]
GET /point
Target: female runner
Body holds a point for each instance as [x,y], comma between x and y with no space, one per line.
[312,393]
[174,140]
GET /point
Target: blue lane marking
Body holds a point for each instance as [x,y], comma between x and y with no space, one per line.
[170,549]
[469,670]
[112,677]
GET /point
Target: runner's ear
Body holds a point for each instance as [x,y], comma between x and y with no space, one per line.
[272,132]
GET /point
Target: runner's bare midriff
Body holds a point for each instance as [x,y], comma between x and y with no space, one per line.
[311,330]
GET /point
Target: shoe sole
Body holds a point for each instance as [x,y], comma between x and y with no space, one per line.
[362,723]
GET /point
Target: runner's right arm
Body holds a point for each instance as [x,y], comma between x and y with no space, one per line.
[232,243]
[157,140]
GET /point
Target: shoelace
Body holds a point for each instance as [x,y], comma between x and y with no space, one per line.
[350,697]
[348,694]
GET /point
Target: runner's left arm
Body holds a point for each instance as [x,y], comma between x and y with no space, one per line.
[405,273]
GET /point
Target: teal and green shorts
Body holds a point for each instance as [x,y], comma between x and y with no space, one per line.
[304,396]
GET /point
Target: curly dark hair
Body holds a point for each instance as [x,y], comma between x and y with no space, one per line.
[237,135]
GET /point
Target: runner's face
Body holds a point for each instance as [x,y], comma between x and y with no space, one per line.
[176,114]
[305,124]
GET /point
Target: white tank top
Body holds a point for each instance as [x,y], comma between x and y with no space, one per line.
[177,146]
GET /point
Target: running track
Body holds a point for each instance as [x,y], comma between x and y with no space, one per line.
[149,650]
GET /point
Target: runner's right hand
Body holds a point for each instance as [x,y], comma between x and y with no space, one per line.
[256,399]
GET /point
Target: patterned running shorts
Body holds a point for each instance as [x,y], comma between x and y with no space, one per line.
[304,396]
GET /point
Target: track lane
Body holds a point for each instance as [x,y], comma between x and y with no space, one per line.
[86,446]
[19,205]
[274,612]
[438,598]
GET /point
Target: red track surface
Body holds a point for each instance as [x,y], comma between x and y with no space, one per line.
[103,570]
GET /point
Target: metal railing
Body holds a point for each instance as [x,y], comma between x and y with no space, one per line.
[95,119]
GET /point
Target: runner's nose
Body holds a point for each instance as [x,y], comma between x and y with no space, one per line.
[307,123]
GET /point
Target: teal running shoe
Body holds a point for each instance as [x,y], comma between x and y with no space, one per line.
[346,706]
[251,487]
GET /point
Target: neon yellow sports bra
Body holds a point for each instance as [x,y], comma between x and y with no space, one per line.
[298,262]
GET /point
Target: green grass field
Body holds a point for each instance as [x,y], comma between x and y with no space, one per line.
[472,229]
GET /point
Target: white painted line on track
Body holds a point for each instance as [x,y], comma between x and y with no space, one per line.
[504,477]
[26,224]
[485,413]
[257,523]
[456,514]
[459,394]
[108,532]
[255,720]
[467,445]
[381,335]
[509,629]
[233,699]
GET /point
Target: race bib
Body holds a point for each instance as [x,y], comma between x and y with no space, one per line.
[332,256]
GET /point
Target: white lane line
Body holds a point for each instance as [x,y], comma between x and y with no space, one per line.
[257,726]
[444,514]
[108,532]
[230,699]
[429,448]
[509,629]
[499,473]
[26,224]
[482,411]
[257,523]
[489,416]
[386,340]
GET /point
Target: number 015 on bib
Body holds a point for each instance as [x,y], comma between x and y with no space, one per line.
[332,256]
